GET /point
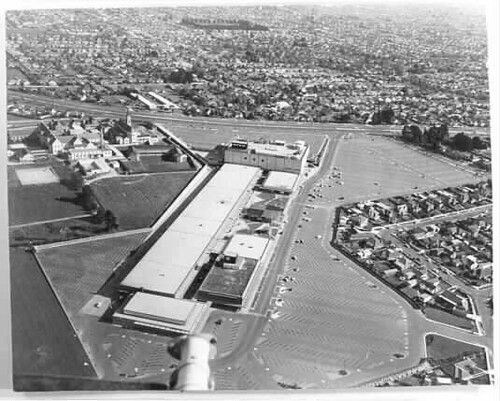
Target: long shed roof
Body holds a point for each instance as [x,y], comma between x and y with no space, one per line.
[167,264]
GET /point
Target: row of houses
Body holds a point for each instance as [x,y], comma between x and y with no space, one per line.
[464,247]
[367,214]
[404,273]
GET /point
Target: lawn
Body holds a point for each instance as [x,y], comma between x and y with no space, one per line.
[155,164]
[34,203]
[444,317]
[78,271]
[41,334]
[441,348]
[137,201]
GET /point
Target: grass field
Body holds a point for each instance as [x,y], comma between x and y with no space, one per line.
[43,340]
[137,201]
[78,271]
[441,316]
[33,203]
[375,167]
[440,348]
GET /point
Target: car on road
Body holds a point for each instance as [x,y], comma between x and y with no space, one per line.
[341,198]
[293,257]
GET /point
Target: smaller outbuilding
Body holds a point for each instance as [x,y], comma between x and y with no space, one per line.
[278,181]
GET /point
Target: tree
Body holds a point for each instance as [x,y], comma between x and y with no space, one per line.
[387,115]
[462,142]
[477,143]
[110,220]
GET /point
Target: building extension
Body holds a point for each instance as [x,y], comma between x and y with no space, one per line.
[162,314]
[234,278]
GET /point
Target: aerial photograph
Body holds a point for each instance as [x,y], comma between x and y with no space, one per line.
[250,197]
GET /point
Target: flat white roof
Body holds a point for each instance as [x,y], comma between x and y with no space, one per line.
[247,246]
[233,178]
[278,148]
[166,309]
[281,181]
[165,267]
[214,204]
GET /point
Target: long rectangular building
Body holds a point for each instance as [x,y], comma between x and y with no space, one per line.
[168,268]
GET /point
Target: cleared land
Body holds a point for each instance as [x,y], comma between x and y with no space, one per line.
[78,271]
[137,201]
[32,203]
[43,340]
[376,167]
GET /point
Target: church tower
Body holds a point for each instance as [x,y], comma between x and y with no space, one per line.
[128,117]
[128,126]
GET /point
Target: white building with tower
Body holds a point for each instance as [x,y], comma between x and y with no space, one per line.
[273,155]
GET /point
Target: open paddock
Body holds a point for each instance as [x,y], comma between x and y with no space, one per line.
[42,337]
[439,347]
[137,201]
[35,203]
[377,167]
[77,271]
[155,164]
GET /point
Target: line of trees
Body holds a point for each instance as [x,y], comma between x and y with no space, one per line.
[436,137]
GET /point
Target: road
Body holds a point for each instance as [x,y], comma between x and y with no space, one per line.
[81,216]
[119,111]
[256,323]
[294,215]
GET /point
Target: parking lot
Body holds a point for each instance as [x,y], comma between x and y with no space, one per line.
[332,325]
[376,167]
[331,316]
